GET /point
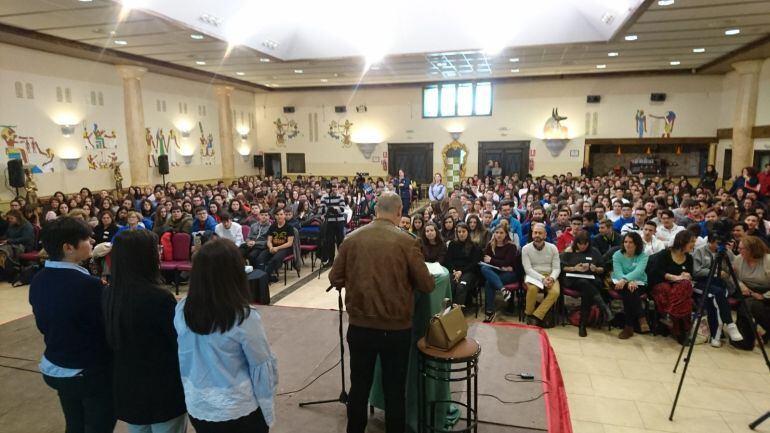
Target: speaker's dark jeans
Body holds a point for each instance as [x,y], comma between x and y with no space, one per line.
[393,349]
[86,401]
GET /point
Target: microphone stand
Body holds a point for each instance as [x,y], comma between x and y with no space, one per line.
[343,398]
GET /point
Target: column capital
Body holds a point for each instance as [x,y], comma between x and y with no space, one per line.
[130,71]
[223,89]
[748,66]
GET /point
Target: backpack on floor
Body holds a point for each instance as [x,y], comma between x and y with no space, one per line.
[594,315]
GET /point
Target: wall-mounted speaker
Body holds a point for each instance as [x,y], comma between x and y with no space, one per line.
[657,97]
[288,110]
[340,109]
[593,99]
[15,173]
[163,164]
[259,161]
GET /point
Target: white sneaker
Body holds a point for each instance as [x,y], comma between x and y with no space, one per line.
[715,342]
[732,331]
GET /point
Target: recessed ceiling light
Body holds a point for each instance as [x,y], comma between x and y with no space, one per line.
[200,62]
[732,32]
[698,50]
[513,59]
[298,71]
[613,54]
[631,37]
[601,66]
[240,73]
[196,36]
[85,1]
[440,64]
[514,70]
[120,42]
[264,60]
[324,80]
[665,2]
[675,63]
[112,33]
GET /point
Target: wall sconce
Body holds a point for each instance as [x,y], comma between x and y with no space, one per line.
[67,130]
[71,163]
[187,157]
[244,152]
[184,133]
[243,132]
[367,149]
[455,135]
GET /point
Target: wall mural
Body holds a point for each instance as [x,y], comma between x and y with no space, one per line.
[641,123]
[207,146]
[285,129]
[27,149]
[341,132]
[100,147]
[161,143]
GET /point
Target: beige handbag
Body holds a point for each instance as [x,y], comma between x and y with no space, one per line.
[447,328]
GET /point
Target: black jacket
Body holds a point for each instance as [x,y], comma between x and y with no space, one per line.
[458,259]
[147,386]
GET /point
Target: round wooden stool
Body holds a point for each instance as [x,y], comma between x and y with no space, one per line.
[461,363]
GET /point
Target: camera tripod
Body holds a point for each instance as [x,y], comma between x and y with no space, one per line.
[343,398]
[715,272]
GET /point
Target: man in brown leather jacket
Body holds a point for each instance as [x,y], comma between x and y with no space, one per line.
[380,267]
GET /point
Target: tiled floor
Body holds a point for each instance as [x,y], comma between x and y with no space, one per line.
[613,386]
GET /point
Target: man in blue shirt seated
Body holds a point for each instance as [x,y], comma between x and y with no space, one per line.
[203,221]
[506,214]
[538,216]
[626,217]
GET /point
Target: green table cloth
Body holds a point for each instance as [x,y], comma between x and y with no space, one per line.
[425,306]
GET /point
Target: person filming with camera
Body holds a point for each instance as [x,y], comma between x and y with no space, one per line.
[380,267]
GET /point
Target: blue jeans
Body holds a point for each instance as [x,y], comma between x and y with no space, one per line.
[174,425]
[495,280]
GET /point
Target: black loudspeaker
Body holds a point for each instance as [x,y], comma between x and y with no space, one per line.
[163,164]
[259,161]
[340,109]
[657,97]
[288,109]
[15,173]
[593,99]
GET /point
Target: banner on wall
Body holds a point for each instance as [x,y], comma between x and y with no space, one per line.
[101,147]
[27,149]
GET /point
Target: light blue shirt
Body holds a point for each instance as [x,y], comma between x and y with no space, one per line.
[47,367]
[227,375]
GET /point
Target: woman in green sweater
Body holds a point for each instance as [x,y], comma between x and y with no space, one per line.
[630,280]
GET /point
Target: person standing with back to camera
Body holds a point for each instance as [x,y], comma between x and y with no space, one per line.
[380,267]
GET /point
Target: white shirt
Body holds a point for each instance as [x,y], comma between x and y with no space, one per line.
[612,216]
[235,233]
[654,246]
[667,235]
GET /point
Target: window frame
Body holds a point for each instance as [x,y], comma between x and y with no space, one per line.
[438,85]
[296,155]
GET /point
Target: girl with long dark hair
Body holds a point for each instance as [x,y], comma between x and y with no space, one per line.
[462,260]
[228,371]
[139,320]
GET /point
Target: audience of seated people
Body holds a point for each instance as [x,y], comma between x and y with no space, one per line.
[648,238]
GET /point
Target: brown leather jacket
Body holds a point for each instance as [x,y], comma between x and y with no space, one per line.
[380,267]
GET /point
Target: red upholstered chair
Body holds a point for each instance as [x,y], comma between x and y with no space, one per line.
[34,254]
[312,250]
[519,293]
[181,244]
[293,259]
[652,317]
[245,229]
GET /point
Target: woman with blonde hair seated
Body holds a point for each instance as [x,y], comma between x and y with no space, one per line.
[752,267]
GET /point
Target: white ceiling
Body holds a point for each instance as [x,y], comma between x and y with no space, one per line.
[665,34]
[312,29]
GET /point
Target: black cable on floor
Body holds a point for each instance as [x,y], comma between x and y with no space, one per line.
[311,382]
[507,402]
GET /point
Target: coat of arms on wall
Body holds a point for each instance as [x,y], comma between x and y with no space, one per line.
[285,129]
[100,147]
[341,132]
[27,149]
